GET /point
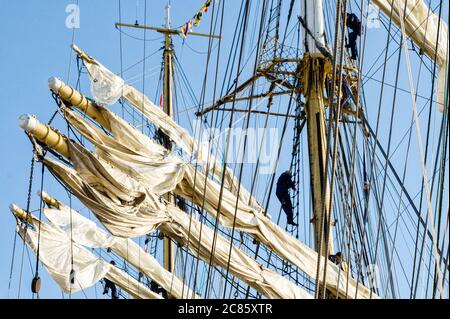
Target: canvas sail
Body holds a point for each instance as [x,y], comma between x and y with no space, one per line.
[106,191]
[85,232]
[59,256]
[105,87]
[247,219]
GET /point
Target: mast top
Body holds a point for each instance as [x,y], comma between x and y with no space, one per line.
[314,35]
[167,29]
[168,16]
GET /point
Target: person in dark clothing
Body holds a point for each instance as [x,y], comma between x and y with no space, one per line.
[109,285]
[354,25]
[158,289]
[284,183]
[336,258]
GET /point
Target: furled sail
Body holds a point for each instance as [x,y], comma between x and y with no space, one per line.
[138,217]
[127,209]
[105,87]
[59,256]
[85,232]
[247,219]
[426,30]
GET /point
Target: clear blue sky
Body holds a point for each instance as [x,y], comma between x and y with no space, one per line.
[35,46]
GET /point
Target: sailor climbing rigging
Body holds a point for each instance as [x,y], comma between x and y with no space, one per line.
[354,25]
[284,183]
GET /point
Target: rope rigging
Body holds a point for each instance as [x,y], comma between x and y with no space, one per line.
[374,213]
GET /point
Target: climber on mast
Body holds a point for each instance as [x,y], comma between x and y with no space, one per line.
[284,183]
[354,25]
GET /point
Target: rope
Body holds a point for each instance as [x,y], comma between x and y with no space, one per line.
[402,39]
[337,116]
[224,166]
[24,222]
[245,141]
[216,119]
[70,50]
[202,97]
[425,159]
[422,157]
[143,67]
[376,139]
[324,183]
[354,143]
[41,206]
[272,176]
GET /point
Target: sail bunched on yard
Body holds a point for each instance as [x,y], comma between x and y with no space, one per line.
[106,88]
[60,256]
[145,159]
[126,209]
[85,232]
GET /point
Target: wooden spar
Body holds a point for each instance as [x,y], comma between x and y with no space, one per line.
[316,68]
[49,200]
[46,134]
[165,30]
[169,256]
[313,82]
[20,213]
[71,96]
[255,112]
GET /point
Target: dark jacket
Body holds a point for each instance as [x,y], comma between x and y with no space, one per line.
[284,183]
[353,23]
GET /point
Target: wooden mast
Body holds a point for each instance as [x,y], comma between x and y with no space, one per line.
[315,72]
[169,260]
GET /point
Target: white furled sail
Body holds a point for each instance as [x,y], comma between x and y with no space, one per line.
[100,74]
[127,210]
[85,232]
[427,31]
[59,256]
[134,160]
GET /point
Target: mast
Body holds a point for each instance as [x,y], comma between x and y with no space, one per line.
[167,106]
[314,82]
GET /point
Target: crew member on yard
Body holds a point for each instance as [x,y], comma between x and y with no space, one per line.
[337,259]
[284,183]
[110,285]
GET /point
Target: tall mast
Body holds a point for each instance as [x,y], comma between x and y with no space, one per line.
[167,106]
[314,79]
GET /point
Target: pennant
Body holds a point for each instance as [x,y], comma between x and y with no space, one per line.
[205,6]
[198,18]
[186,28]
[195,21]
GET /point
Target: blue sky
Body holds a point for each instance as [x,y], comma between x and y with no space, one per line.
[36,46]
